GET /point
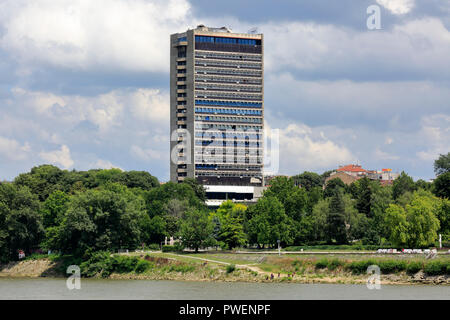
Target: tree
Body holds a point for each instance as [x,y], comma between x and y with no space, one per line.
[337,229]
[397,225]
[319,216]
[442,164]
[441,185]
[196,229]
[156,199]
[20,222]
[422,184]
[281,188]
[270,223]
[107,218]
[402,184]
[332,185]
[54,208]
[423,224]
[230,218]
[443,214]
[416,224]
[197,187]
[42,180]
[308,180]
[364,194]
[139,179]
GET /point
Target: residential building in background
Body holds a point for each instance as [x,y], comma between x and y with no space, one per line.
[352,172]
[217,111]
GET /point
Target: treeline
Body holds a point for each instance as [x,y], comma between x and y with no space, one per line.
[74,212]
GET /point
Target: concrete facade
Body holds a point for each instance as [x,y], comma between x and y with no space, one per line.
[217,88]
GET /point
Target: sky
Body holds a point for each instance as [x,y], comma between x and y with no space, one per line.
[85,84]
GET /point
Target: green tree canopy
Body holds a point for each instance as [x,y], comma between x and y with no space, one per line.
[20,222]
[196,230]
[308,180]
[337,229]
[441,185]
[442,164]
[402,184]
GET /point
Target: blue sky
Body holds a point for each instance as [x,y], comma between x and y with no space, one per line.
[85,84]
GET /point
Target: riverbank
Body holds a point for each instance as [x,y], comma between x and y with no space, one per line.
[235,268]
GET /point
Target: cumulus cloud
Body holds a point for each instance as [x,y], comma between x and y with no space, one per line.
[413,49]
[435,134]
[84,34]
[146,154]
[104,164]
[12,150]
[381,155]
[397,6]
[305,148]
[59,157]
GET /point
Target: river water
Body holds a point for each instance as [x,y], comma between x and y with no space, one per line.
[49,289]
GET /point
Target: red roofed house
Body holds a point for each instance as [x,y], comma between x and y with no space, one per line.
[353,170]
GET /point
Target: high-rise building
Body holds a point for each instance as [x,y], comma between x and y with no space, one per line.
[217,110]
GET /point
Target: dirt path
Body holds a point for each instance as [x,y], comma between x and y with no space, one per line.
[251,267]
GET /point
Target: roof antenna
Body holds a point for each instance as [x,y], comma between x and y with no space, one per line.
[253,30]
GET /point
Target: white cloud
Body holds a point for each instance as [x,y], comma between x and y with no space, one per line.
[435,134]
[150,105]
[146,154]
[13,150]
[421,45]
[302,148]
[104,164]
[397,6]
[104,110]
[59,157]
[381,155]
[82,34]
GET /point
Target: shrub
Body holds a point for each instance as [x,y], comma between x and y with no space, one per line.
[124,264]
[154,246]
[322,264]
[98,264]
[334,264]
[231,268]
[168,248]
[438,267]
[142,266]
[360,267]
[414,267]
[391,266]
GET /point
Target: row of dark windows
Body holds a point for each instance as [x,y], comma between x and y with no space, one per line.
[228,103]
[229,111]
[251,42]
